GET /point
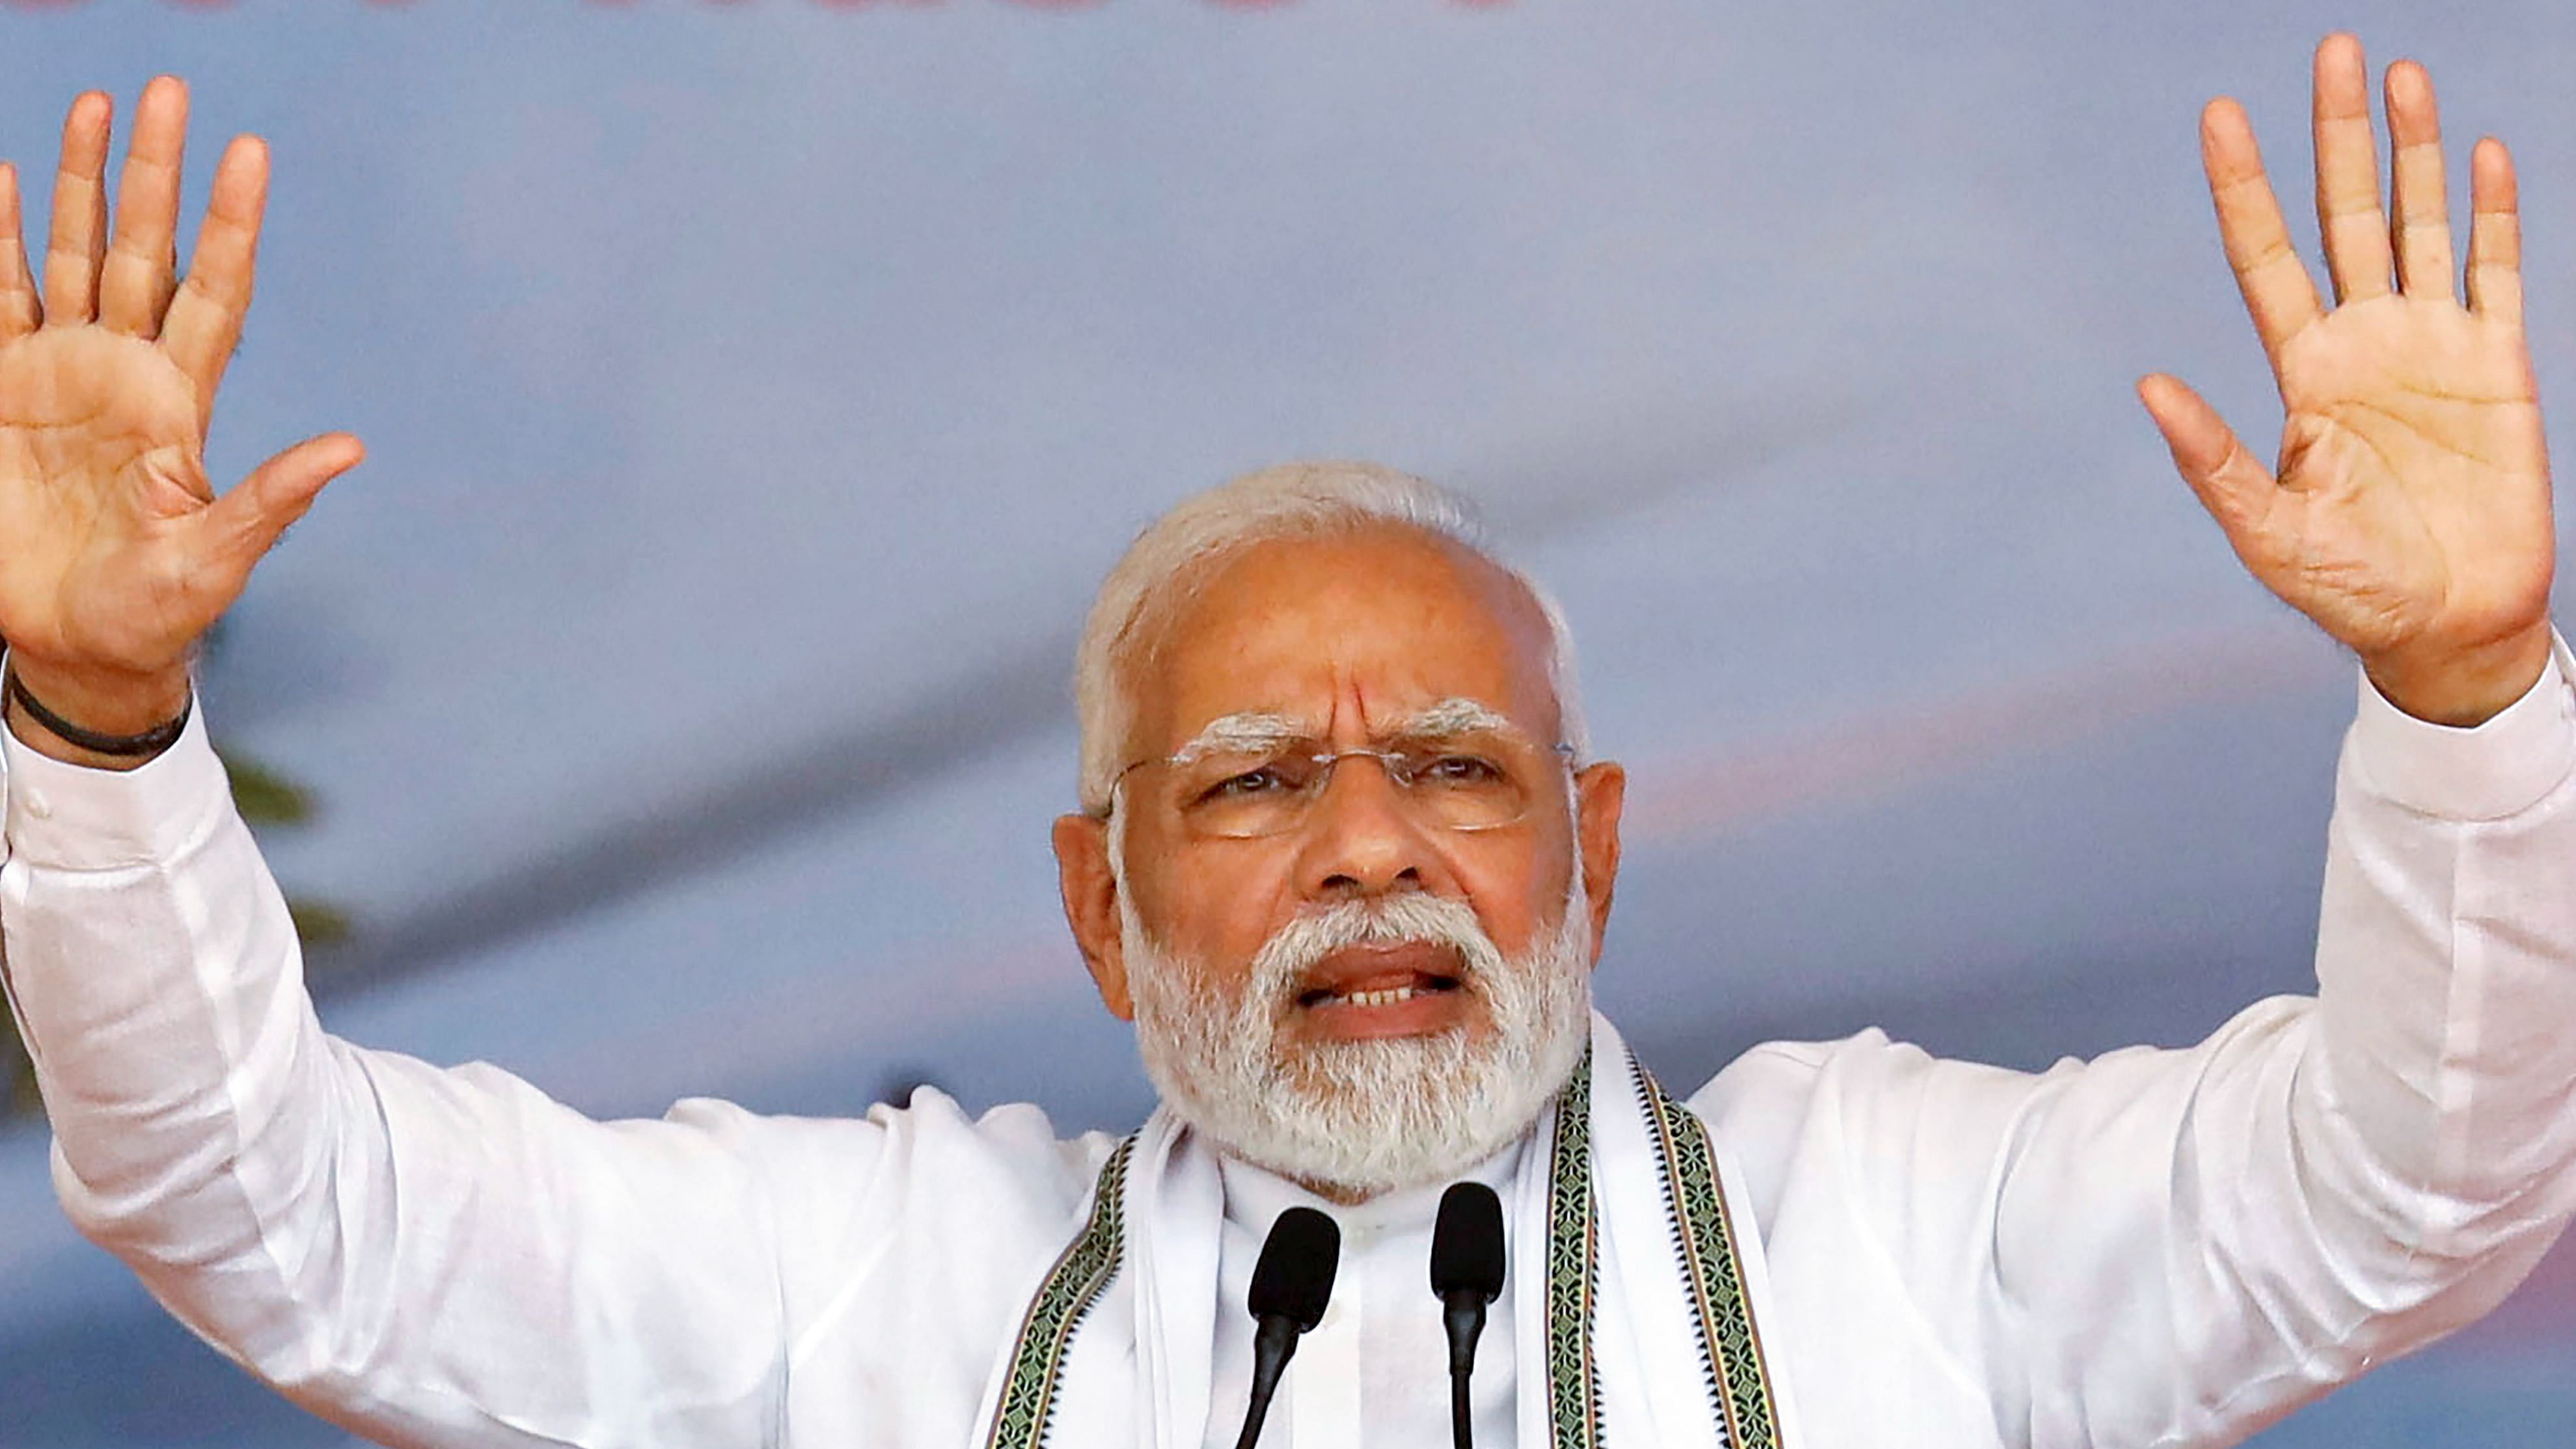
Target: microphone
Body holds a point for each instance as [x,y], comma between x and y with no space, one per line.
[1290,1286]
[1467,1273]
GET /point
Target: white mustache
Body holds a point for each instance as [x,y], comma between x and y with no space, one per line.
[1295,949]
[1367,1116]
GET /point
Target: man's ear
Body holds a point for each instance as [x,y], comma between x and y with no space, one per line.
[1600,792]
[1091,906]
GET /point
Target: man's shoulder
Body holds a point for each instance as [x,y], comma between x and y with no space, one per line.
[1869,1095]
[939,1217]
[1870,1073]
[931,1144]
[1775,1096]
[1778,1074]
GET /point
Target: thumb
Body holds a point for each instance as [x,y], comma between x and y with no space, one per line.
[2231,485]
[238,528]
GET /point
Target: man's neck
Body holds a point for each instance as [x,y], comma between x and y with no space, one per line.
[1255,1195]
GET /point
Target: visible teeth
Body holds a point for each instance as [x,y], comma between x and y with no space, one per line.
[1388,997]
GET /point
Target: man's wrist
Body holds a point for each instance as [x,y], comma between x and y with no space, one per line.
[2464,688]
[99,704]
[2492,771]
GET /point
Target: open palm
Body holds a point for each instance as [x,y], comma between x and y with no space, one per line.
[2409,516]
[115,551]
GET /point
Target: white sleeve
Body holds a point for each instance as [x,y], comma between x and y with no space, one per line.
[2175,1247]
[431,1257]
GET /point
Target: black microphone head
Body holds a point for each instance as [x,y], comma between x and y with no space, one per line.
[1467,1243]
[1294,1279]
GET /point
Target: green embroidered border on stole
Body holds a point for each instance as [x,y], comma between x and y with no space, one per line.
[1072,1286]
[1730,1346]
[1573,1385]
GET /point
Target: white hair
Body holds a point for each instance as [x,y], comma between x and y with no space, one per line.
[1167,562]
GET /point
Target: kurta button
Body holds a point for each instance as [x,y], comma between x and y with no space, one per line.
[38,805]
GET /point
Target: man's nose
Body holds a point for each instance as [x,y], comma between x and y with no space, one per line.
[1361,836]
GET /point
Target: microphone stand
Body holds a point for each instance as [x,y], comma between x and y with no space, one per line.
[1290,1286]
[1467,1274]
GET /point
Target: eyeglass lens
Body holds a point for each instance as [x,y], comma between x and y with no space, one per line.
[1465,783]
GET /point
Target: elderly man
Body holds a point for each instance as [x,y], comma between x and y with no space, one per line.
[1345,858]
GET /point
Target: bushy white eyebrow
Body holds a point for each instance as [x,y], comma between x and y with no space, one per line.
[1250,732]
[1454,716]
[1259,731]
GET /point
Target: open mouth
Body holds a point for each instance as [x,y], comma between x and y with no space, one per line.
[1378,994]
[1380,975]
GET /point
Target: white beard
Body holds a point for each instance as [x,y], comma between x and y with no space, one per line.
[1358,1118]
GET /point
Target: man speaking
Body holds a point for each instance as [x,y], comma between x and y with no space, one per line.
[1344,856]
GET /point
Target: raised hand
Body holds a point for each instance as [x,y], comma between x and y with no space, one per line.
[115,551]
[2410,513]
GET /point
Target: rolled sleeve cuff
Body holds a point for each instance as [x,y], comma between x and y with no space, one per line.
[2488,772]
[72,817]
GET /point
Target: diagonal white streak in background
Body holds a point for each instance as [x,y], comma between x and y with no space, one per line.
[1677,799]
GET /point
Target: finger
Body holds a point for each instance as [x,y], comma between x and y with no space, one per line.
[78,236]
[205,318]
[241,526]
[2349,220]
[2420,217]
[142,255]
[2278,292]
[2235,488]
[2495,234]
[20,311]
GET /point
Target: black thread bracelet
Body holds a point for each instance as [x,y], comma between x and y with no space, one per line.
[151,742]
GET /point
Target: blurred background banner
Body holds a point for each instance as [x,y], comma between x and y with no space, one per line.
[676,701]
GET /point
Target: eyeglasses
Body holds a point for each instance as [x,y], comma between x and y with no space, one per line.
[1474,780]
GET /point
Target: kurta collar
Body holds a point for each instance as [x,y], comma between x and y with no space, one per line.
[1255,1196]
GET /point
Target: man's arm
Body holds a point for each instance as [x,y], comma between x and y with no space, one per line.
[2175,1247]
[432,1257]
[2352,1177]
[2172,1247]
[2188,1244]
[437,1257]
[447,1257]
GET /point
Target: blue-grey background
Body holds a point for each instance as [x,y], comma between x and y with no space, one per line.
[755,392]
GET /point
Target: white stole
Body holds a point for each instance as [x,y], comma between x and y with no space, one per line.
[1636,1319]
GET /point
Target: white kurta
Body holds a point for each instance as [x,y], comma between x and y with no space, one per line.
[2152,1248]
[1375,1371]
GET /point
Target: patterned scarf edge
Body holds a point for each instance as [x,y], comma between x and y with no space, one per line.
[1075,1282]
[1730,1344]
[1573,1269]
[1731,1352]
